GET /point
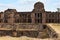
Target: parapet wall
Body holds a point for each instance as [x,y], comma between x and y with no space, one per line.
[18,26]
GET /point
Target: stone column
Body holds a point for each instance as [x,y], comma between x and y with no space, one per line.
[27,18]
[43,17]
[11,19]
[33,17]
[2,17]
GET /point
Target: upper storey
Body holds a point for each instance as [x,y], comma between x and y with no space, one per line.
[39,7]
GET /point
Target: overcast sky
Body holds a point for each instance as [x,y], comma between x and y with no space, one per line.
[28,5]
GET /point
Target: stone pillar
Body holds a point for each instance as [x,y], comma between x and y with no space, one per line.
[2,17]
[33,17]
[11,19]
[27,18]
[43,17]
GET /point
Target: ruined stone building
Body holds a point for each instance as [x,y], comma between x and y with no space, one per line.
[38,15]
[14,23]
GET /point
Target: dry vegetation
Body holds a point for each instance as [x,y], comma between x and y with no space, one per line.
[55,26]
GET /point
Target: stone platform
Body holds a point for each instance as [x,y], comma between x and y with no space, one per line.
[30,30]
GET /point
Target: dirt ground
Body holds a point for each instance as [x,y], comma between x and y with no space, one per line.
[23,38]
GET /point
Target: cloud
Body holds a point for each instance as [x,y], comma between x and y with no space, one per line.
[57,5]
[20,5]
[26,1]
[52,5]
[28,5]
[6,6]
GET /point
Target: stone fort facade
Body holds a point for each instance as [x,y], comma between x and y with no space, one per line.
[37,15]
[31,24]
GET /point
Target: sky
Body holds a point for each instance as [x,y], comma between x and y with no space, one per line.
[28,5]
